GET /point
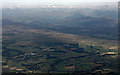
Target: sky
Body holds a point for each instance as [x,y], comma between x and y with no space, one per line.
[12,3]
[58,0]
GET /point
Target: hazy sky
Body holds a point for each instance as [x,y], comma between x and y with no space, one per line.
[58,0]
[7,3]
[55,1]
